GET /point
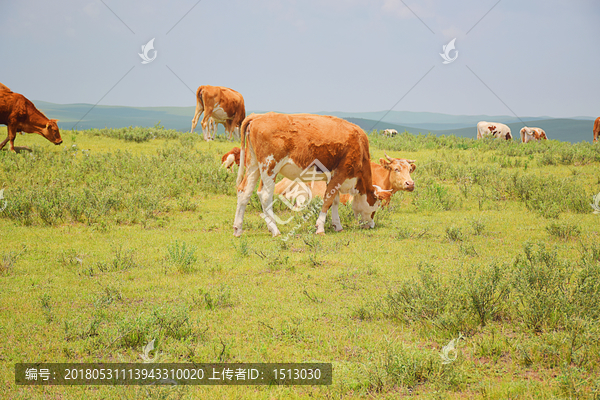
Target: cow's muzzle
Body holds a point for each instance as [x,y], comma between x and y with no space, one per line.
[57,143]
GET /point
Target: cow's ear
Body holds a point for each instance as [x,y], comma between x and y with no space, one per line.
[413,167]
[385,163]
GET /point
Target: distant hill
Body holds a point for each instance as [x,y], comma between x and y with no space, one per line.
[179,118]
[573,130]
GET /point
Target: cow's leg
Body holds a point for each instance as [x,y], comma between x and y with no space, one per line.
[208,110]
[335,216]
[331,194]
[4,142]
[199,110]
[265,194]
[212,128]
[243,195]
[12,134]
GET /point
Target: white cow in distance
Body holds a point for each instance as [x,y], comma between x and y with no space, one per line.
[390,132]
[493,129]
[532,134]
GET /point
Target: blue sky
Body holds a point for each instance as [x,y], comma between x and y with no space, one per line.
[524,58]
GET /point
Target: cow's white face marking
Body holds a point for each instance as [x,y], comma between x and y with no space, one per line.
[363,210]
[229,161]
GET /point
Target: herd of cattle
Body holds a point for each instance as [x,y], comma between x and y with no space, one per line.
[330,153]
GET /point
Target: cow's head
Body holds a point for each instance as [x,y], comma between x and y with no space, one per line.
[539,134]
[365,205]
[384,196]
[51,132]
[399,170]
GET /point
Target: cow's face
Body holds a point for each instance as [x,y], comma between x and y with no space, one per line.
[399,170]
[51,132]
[539,134]
[363,210]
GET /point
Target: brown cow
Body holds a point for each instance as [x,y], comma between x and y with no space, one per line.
[299,146]
[20,115]
[596,129]
[391,174]
[230,158]
[225,106]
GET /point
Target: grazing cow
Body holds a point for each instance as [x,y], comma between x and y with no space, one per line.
[493,129]
[20,115]
[596,129]
[230,158]
[530,134]
[300,145]
[390,132]
[391,174]
[225,106]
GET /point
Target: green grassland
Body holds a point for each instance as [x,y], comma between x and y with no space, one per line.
[121,236]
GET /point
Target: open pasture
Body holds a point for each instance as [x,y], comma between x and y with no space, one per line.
[121,236]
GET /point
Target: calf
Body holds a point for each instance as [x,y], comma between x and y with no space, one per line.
[230,158]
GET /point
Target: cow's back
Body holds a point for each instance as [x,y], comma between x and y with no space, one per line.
[13,106]
[306,137]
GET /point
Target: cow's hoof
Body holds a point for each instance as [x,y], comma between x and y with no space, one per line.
[237,232]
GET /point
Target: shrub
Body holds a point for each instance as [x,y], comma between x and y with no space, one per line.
[181,256]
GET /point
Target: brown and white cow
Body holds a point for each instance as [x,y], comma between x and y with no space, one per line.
[20,115]
[493,129]
[596,129]
[225,106]
[299,145]
[230,158]
[532,134]
[390,132]
[391,174]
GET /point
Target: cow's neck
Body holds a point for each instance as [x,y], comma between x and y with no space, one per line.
[36,121]
[387,183]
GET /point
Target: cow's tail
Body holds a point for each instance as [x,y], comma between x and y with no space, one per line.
[243,129]
[199,102]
